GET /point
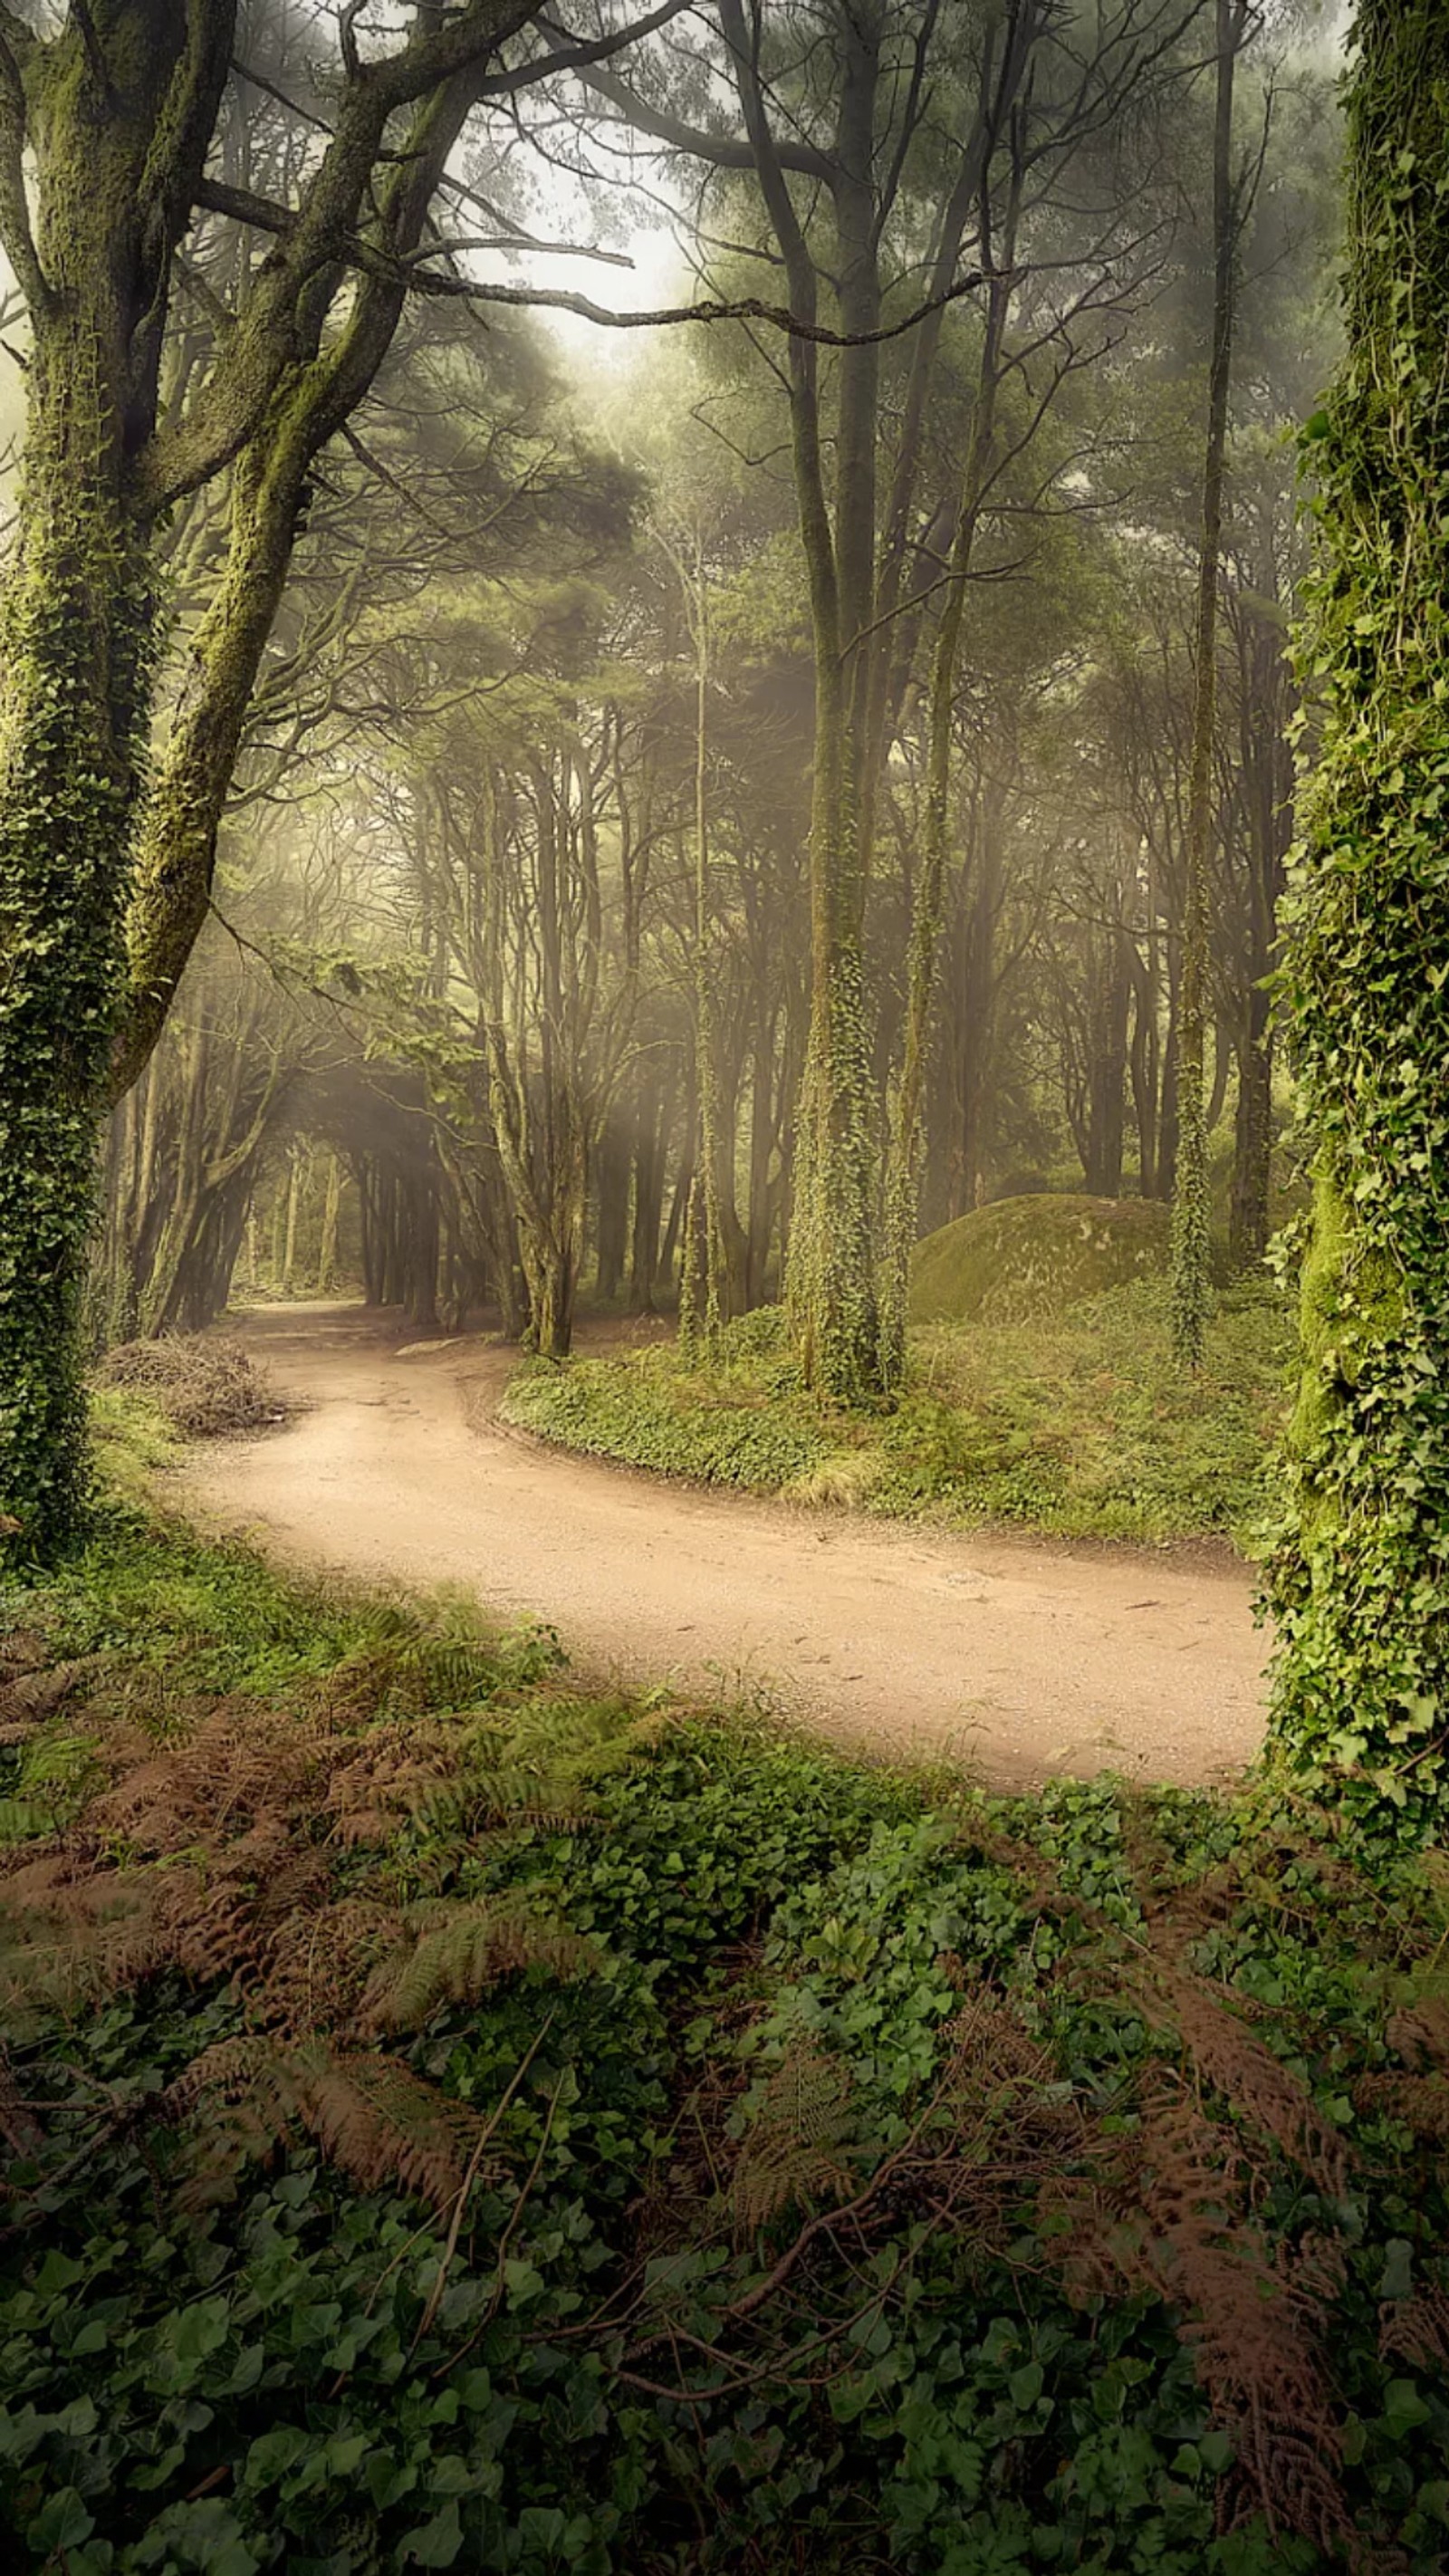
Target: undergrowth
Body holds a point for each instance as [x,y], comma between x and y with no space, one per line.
[452,2119]
[1082,1425]
[202,1384]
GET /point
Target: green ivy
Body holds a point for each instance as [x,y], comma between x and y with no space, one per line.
[76,637]
[1360,1584]
[272,2384]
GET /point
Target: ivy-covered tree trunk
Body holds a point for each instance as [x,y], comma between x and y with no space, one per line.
[74,640]
[76,633]
[908,1133]
[1360,1585]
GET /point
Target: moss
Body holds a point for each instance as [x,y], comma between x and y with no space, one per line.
[1035,1256]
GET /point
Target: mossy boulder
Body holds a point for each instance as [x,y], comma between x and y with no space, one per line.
[1032,1256]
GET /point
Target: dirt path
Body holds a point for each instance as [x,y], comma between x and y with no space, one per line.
[1022,1658]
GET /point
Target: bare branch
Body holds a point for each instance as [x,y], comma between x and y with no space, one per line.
[745,308]
[726,151]
[16,238]
[267,216]
[579,54]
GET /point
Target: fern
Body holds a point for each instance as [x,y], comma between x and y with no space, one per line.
[1171,2220]
[238,1852]
[453,1953]
[795,2146]
[1235,2062]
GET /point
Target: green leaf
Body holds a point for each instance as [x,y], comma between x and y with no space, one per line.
[435,2543]
[1397,2281]
[62,2523]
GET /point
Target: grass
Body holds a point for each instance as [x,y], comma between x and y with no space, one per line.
[1081,1425]
[900,2177]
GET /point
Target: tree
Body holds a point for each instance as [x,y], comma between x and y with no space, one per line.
[1360,1585]
[860,180]
[1190,1215]
[108,200]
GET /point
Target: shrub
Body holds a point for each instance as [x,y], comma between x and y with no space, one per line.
[205,1386]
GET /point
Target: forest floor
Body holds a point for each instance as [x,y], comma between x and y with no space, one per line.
[1023,1659]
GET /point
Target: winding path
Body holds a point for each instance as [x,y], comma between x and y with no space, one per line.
[1018,1657]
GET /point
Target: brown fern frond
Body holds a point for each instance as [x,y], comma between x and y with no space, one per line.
[1238,2064]
[451,1953]
[1171,2220]
[79,1940]
[23,1650]
[389,1774]
[1421,2101]
[236,2104]
[212,1850]
[28,1695]
[1421,2030]
[1416,2330]
[382,2123]
[318,1964]
[795,2146]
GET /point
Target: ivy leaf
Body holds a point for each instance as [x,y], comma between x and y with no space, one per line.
[435,2543]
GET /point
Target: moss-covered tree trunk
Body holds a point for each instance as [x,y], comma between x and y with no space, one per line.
[74,640]
[90,247]
[1360,1586]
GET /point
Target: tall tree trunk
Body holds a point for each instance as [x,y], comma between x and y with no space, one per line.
[327,1254]
[294,1193]
[1191,1279]
[701,1307]
[1248,1216]
[1360,1588]
[832,1289]
[903,1179]
[76,646]
[648,1195]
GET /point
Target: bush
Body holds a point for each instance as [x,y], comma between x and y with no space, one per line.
[204,1386]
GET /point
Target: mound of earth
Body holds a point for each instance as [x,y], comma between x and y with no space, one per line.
[1032,1256]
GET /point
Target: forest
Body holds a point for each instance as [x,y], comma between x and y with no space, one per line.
[724,1287]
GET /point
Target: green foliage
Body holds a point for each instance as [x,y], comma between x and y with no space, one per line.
[75,640]
[161,1608]
[790,1959]
[1360,1587]
[1080,1423]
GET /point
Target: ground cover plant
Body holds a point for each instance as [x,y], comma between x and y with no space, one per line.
[1081,1423]
[453,2118]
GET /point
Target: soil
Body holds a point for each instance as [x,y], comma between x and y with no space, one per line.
[1018,1658]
